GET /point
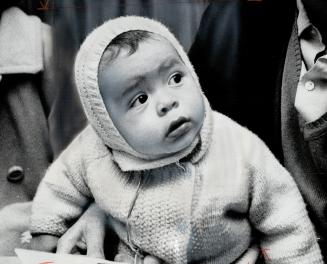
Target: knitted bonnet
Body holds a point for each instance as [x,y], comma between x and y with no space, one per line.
[86,78]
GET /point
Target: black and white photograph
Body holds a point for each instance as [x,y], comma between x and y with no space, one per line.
[163,131]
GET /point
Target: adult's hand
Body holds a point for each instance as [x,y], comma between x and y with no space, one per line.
[87,234]
[44,243]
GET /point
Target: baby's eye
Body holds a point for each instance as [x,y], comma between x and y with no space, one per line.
[141,99]
[175,79]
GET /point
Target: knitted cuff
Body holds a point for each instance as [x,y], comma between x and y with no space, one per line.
[315,129]
[50,226]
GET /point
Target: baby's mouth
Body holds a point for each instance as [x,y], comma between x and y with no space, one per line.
[178,127]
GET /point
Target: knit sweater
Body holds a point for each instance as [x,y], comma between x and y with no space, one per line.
[202,209]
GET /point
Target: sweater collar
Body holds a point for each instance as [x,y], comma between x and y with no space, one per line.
[193,153]
[21,48]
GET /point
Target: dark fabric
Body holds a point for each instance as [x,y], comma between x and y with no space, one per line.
[319,54]
[317,13]
[316,128]
[24,137]
[29,117]
[238,54]
[257,86]
[305,159]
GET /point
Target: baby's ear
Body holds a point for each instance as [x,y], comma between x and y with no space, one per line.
[46,243]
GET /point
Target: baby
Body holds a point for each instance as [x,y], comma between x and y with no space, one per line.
[177,180]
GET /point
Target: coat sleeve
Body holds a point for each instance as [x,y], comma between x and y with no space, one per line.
[62,195]
[315,133]
[278,211]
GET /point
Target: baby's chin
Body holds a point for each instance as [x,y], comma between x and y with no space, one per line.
[173,149]
[191,139]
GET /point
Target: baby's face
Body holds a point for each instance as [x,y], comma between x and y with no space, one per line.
[152,98]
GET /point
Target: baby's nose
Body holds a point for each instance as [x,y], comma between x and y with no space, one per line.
[164,107]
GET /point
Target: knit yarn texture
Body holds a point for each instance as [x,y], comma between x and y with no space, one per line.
[191,212]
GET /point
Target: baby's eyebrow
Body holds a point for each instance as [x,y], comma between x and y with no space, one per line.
[168,64]
[136,82]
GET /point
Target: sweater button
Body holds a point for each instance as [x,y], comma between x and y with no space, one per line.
[15,174]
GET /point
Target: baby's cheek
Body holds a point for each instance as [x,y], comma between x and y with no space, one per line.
[143,136]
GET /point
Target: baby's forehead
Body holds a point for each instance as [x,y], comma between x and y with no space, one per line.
[158,54]
[115,52]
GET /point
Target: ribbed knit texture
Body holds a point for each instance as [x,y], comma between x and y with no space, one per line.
[205,212]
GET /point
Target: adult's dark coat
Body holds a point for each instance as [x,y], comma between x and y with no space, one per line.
[25,105]
[30,124]
[248,59]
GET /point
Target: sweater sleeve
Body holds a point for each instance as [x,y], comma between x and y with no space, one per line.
[278,211]
[62,194]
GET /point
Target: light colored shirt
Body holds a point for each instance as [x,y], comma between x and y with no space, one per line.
[310,98]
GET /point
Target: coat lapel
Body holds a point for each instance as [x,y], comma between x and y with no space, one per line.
[291,74]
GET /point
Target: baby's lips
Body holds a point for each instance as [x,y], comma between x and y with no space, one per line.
[178,127]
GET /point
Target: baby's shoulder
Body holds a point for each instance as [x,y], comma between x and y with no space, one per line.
[223,124]
[227,130]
